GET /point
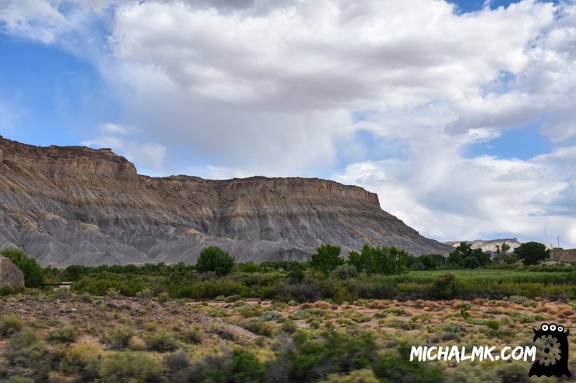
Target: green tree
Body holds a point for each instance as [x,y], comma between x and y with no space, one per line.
[326,258]
[215,259]
[379,260]
[461,255]
[532,253]
[33,272]
[429,263]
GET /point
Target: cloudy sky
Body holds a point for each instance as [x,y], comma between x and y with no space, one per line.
[460,115]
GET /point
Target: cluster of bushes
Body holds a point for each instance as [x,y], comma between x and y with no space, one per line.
[372,273]
[327,356]
[299,355]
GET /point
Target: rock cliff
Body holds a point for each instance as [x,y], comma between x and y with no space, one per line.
[10,275]
[76,205]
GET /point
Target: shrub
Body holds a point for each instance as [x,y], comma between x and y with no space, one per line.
[245,367]
[63,334]
[192,336]
[466,373]
[163,342]
[26,349]
[271,315]
[289,327]
[77,358]
[130,366]
[258,327]
[493,324]
[445,286]
[10,324]
[33,272]
[344,271]
[514,372]
[395,366]
[358,376]
[176,361]
[118,338]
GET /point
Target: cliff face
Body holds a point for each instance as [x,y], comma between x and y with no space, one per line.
[75,205]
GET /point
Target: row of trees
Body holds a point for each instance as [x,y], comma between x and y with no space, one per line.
[370,260]
[327,259]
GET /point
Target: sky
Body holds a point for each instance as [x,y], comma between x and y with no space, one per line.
[460,115]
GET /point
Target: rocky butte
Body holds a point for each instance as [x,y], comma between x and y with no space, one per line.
[76,205]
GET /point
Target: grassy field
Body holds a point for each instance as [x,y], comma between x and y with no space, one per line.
[75,336]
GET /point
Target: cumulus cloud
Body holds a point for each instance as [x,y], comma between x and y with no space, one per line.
[386,94]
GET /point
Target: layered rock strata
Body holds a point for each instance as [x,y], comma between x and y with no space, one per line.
[76,205]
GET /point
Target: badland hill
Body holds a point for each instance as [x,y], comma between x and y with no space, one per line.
[77,205]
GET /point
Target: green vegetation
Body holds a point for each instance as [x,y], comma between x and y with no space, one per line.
[213,259]
[33,272]
[532,253]
[327,320]
[326,258]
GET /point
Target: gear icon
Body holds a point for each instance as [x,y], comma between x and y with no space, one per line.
[549,350]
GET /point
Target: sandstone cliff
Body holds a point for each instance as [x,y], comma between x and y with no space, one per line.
[76,205]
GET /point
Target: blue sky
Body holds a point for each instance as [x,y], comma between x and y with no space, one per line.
[460,115]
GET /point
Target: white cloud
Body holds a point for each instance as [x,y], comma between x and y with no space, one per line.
[147,155]
[237,88]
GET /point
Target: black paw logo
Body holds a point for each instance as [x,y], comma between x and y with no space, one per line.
[552,347]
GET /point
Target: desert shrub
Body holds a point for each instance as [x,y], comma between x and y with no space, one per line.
[249,311]
[118,338]
[289,327]
[301,292]
[176,361]
[130,366]
[344,295]
[517,299]
[145,293]
[63,334]
[10,324]
[467,373]
[343,272]
[493,324]
[191,336]
[236,366]
[394,366]
[233,298]
[218,312]
[162,342]
[358,376]
[258,327]
[513,372]
[271,315]
[245,367]
[445,286]
[78,357]
[333,352]
[25,349]
[163,296]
